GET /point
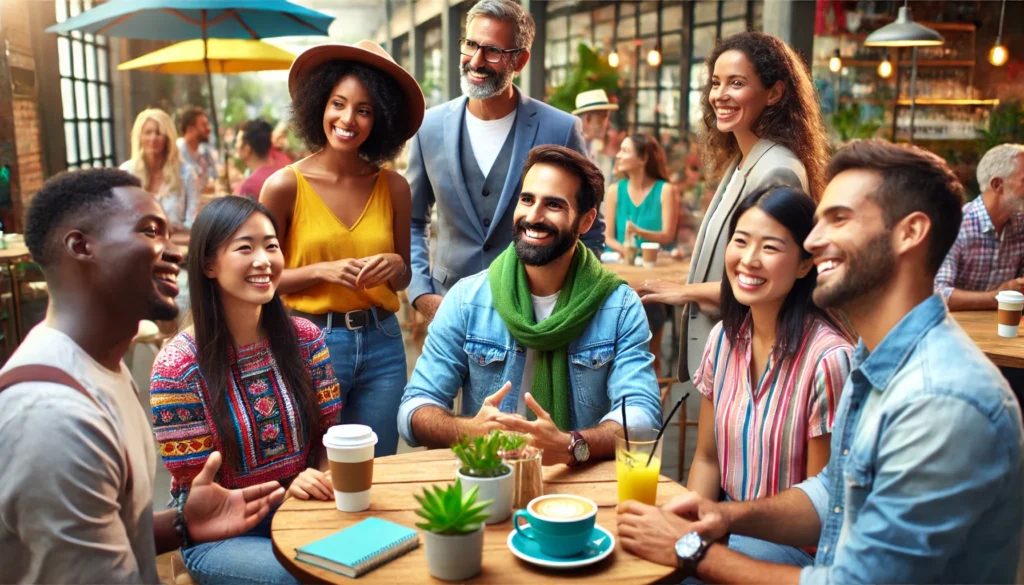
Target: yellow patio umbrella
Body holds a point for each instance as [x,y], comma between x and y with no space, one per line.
[224,56]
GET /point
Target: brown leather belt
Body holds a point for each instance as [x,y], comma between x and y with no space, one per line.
[352,320]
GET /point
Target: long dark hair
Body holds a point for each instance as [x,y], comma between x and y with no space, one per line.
[794,209]
[794,122]
[657,162]
[213,226]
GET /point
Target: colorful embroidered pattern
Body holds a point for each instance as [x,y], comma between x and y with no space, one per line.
[265,414]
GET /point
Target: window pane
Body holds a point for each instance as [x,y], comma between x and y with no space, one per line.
[734,9]
[556,28]
[94,101]
[108,162]
[627,61]
[645,98]
[649,18]
[88,37]
[81,110]
[94,133]
[671,49]
[108,143]
[669,108]
[670,76]
[70,142]
[696,121]
[104,102]
[604,14]
[580,26]
[64,56]
[604,33]
[83,141]
[62,10]
[102,66]
[671,17]
[732,27]
[77,59]
[90,63]
[703,41]
[705,11]
[698,76]
[67,98]
[648,74]
[101,40]
[75,6]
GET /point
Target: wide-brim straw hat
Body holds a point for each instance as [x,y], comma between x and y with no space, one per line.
[368,53]
[594,100]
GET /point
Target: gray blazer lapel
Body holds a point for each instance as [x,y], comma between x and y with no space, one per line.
[526,133]
[452,131]
[716,214]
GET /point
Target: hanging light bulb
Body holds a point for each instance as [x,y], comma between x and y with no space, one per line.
[835,63]
[885,68]
[654,58]
[613,59]
[998,56]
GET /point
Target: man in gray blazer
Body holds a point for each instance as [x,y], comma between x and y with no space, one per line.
[468,155]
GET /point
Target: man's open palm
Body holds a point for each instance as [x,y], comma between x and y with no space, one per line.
[213,512]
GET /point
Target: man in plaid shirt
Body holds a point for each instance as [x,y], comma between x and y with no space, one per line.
[988,255]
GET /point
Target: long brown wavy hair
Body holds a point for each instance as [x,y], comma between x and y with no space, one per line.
[657,162]
[794,121]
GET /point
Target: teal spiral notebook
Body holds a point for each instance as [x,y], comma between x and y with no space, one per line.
[360,548]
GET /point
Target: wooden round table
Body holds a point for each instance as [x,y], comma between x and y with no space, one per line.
[397,478]
[666,269]
[981,327]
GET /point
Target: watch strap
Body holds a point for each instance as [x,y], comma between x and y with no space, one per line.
[576,438]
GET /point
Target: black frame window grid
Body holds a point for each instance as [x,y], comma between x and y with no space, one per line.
[682,31]
[86,93]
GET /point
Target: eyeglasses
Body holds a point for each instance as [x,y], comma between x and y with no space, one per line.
[492,54]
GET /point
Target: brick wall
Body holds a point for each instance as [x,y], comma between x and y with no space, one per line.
[20,140]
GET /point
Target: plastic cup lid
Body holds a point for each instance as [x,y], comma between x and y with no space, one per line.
[650,245]
[1010,296]
[350,437]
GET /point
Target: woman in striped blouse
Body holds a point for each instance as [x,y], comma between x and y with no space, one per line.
[773,367]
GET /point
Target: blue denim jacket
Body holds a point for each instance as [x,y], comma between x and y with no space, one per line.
[925,480]
[469,346]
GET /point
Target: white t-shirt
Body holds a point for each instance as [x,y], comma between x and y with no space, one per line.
[542,309]
[487,138]
[64,516]
[735,176]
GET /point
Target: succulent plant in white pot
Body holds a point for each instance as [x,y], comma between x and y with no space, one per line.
[481,465]
[453,531]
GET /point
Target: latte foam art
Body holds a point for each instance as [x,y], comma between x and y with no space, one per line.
[563,508]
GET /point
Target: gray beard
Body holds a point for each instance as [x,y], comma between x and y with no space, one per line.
[493,87]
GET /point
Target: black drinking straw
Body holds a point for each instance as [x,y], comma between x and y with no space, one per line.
[664,426]
[625,427]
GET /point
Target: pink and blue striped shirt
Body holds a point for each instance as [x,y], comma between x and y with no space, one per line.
[762,431]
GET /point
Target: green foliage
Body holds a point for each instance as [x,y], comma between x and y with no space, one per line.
[591,71]
[482,456]
[850,123]
[1005,124]
[448,512]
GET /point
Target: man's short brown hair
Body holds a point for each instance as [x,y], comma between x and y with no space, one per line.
[913,179]
[591,190]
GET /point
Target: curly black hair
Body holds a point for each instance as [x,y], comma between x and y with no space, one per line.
[82,194]
[390,121]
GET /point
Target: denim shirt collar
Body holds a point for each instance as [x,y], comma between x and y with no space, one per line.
[879,366]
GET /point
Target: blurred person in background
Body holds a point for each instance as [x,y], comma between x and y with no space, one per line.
[764,128]
[594,109]
[253,149]
[280,144]
[643,207]
[194,145]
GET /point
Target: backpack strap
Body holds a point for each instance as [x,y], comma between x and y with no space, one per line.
[52,375]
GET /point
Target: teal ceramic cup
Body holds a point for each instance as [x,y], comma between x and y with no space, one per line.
[561,524]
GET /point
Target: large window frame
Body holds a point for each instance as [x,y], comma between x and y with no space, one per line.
[86,92]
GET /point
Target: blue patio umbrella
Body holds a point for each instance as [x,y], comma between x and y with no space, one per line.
[176,20]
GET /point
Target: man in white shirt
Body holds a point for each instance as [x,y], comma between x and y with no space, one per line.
[194,145]
[468,155]
[76,491]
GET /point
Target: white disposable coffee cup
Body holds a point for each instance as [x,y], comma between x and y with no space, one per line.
[649,251]
[350,457]
[1011,303]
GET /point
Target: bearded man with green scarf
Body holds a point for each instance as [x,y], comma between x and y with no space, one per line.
[546,341]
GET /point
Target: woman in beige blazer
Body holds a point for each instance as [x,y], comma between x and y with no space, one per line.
[764,127]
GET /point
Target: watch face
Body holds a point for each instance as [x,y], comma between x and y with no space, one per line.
[688,545]
[581,451]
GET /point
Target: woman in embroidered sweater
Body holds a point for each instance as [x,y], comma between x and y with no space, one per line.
[245,379]
[773,368]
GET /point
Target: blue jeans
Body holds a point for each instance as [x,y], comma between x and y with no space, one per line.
[372,372]
[244,560]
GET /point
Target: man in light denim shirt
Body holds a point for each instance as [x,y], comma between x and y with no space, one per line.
[546,317]
[924,483]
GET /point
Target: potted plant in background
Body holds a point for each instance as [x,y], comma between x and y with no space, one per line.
[453,532]
[481,466]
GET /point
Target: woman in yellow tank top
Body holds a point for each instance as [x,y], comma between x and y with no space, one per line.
[346,222]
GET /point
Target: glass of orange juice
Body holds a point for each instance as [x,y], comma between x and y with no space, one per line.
[638,479]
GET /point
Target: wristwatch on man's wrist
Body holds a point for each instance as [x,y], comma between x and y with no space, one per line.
[690,550]
[579,449]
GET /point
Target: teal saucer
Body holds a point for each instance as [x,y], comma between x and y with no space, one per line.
[601,544]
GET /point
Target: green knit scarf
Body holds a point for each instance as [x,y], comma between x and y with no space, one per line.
[586,287]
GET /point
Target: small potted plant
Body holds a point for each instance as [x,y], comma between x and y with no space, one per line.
[482,466]
[453,532]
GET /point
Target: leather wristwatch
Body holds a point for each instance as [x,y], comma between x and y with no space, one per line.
[690,550]
[579,449]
